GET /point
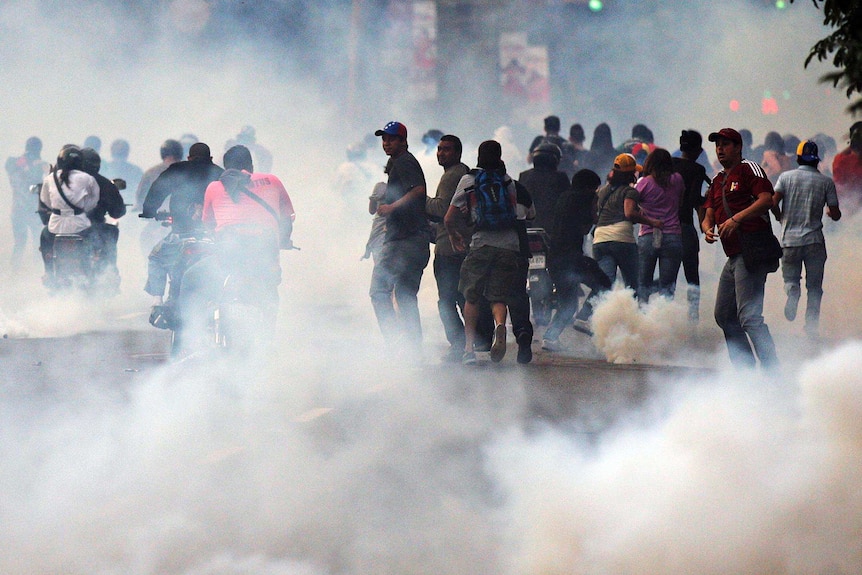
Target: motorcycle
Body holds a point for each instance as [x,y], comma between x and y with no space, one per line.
[540,287]
[194,247]
[80,261]
[238,316]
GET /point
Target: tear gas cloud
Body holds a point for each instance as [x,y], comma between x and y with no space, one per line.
[316,461]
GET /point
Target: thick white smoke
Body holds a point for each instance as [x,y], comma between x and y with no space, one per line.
[328,458]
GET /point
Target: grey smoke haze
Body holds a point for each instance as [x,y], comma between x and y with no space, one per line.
[317,461]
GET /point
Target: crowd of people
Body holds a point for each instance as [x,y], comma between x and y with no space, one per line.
[637,208]
[247,213]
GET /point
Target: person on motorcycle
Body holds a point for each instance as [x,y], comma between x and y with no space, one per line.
[104,235]
[251,217]
[545,182]
[185,183]
[68,194]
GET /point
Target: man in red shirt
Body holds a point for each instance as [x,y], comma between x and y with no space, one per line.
[847,171]
[738,200]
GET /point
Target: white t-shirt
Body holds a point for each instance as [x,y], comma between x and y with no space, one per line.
[82,191]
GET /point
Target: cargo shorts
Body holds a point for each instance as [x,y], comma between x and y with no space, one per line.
[489,272]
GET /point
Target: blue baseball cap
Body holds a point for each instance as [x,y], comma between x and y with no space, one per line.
[393,129]
[807,151]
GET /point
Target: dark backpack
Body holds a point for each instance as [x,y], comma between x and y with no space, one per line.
[490,201]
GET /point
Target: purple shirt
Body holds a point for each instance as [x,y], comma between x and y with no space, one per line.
[660,203]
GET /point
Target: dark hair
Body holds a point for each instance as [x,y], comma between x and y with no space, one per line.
[552,124]
[576,133]
[660,166]
[619,178]
[238,158]
[171,148]
[602,142]
[200,151]
[547,155]
[774,141]
[91,161]
[642,133]
[585,181]
[690,141]
[490,156]
[68,159]
[455,140]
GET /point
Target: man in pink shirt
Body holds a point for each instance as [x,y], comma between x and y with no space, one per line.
[251,217]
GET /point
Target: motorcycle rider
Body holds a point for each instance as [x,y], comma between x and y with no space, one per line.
[185,183]
[545,182]
[104,235]
[251,217]
[68,194]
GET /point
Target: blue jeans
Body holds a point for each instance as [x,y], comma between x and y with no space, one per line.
[813,256]
[739,314]
[447,272]
[398,270]
[623,255]
[668,256]
[568,274]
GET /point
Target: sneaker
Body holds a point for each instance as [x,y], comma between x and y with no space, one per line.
[791,306]
[583,326]
[482,346]
[453,355]
[498,347]
[525,348]
[469,358]
[552,345]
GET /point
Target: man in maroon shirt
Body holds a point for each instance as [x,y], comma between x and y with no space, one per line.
[739,200]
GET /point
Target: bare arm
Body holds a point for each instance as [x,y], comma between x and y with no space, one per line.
[449,220]
[776,205]
[707,225]
[416,193]
[634,215]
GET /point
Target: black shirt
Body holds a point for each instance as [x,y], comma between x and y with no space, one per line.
[409,220]
[185,183]
[693,176]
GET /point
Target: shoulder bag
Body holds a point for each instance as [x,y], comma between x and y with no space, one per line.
[761,250]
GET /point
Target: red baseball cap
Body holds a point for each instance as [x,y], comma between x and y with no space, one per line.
[728,133]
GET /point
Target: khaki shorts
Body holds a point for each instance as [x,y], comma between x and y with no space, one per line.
[490,272]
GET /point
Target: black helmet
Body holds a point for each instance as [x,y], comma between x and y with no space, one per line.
[91,161]
[69,158]
[547,153]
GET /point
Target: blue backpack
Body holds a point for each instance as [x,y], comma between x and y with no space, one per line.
[490,202]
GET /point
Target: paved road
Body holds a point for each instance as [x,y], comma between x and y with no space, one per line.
[582,393]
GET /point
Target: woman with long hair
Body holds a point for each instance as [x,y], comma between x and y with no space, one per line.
[661,191]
